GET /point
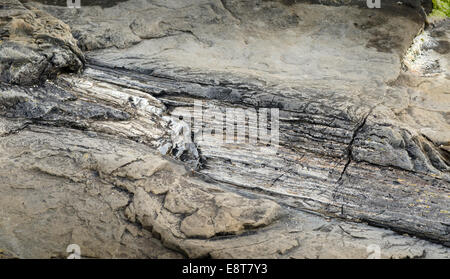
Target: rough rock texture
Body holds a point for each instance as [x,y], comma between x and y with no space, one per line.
[364,117]
[88,187]
[34,46]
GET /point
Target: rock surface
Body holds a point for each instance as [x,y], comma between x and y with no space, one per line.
[34,46]
[363,139]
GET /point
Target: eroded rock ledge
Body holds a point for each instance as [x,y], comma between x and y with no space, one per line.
[364,121]
[34,45]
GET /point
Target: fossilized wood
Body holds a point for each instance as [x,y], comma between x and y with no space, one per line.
[34,46]
[363,134]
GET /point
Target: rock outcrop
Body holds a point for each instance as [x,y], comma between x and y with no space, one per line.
[34,46]
[111,160]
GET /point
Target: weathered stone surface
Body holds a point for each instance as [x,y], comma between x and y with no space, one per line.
[363,134]
[62,186]
[34,46]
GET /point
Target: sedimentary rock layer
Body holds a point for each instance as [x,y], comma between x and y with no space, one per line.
[363,132]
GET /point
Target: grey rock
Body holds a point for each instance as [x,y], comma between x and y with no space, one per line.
[34,46]
[363,134]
